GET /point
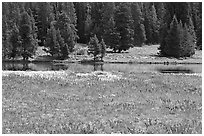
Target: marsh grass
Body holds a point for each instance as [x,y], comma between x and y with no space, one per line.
[67,102]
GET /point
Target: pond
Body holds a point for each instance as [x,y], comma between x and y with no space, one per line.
[48,66]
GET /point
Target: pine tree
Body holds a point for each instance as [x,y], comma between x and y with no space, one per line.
[71,36]
[111,36]
[184,16]
[192,32]
[88,23]
[62,52]
[94,47]
[80,8]
[173,39]
[43,14]
[68,30]
[12,12]
[15,42]
[160,11]
[107,21]
[185,43]
[69,9]
[114,42]
[190,40]
[199,27]
[51,41]
[84,21]
[6,48]
[124,26]
[25,31]
[96,18]
[34,29]
[197,21]
[103,49]
[179,41]
[151,24]
[139,30]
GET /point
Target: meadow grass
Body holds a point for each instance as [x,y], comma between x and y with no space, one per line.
[101,102]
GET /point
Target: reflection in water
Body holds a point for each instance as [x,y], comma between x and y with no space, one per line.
[17,67]
[98,67]
[175,70]
[47,66]
[14,66]
[25,67]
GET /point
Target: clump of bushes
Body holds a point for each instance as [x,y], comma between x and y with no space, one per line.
[180,40]
[97,49]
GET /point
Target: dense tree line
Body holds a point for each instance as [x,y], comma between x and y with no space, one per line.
[119,26]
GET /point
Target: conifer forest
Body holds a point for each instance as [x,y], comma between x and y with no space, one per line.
[58,26]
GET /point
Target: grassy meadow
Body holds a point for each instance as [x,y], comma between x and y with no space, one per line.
[145,54]
[101,102]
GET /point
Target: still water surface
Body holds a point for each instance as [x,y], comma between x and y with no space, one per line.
[47,66]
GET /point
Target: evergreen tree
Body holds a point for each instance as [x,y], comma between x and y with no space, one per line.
[124,26]
[25,31]
[139,30]
[12,11]
[88,23]
[197,19]
[179,41]
[15,42]
[186,45]
[6,48]
[114,41]
[68,30]
[184,16]
[43,14]
[84,23]
[151,24]
[94,47]
[160,11]
[173,39]
[69,9]
[111,36]
[96,18]
[198,28]
[51,41]
[62,51]
[80,8]
[103,49]
[108,23]
[34,29]
[192,32]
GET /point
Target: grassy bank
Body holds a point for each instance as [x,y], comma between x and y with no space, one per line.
[101,102]
[141,55]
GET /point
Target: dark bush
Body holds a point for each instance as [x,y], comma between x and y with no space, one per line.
[179,41]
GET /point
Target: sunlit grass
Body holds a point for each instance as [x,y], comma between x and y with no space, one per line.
[66,102]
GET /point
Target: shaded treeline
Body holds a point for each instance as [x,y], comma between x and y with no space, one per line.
[59,25]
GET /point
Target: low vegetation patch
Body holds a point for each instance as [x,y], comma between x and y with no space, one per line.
[91,103]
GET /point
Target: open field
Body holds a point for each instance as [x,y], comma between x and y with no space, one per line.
[101,102]
[146,54]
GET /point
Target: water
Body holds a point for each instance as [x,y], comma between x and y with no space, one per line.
[48,66]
